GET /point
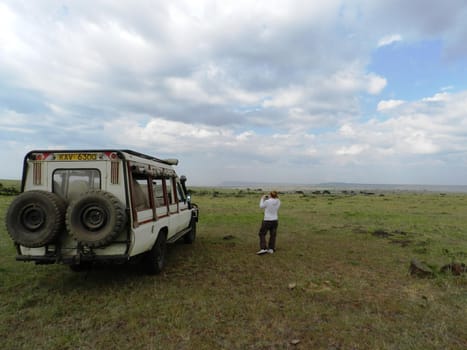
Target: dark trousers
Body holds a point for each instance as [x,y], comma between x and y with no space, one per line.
[266,226]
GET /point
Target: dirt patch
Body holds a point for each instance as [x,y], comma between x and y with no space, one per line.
[395,237]
[401,242]
[381,233]
[360,229]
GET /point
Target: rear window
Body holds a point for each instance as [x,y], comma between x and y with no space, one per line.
[70,183]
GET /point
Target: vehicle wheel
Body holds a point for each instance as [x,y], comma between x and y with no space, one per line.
[190,237]
[155,258]
[35,218]
[95,218]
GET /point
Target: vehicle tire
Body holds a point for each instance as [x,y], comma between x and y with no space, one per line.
[35,218]
[190,237]
[155,259]
[95,218]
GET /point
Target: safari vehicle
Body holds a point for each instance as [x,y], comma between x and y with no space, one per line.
[80,207]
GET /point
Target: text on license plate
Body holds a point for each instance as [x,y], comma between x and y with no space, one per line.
[76,156]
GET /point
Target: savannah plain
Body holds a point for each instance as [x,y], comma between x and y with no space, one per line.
[339,280]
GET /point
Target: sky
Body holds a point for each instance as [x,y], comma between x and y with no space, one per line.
[295,91]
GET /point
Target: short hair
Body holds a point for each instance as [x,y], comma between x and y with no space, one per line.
[273,194]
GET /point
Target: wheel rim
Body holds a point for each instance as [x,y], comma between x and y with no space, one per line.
[94,217]
[32,217]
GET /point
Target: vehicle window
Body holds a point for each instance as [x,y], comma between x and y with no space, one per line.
[158,191]
[170,190]
[141,194]
[70,183]
[181,194]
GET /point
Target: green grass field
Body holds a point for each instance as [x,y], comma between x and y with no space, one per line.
[333,283]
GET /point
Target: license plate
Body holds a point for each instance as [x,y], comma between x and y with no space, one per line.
[75,156]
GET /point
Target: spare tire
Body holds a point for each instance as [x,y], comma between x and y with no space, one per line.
[95,218]
[35,218]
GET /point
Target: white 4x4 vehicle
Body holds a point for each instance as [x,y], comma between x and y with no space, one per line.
[79,207]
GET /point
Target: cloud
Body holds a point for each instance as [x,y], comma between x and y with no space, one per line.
[388,40]
[172,137]
[440,97]
[421,20]
[203,54]
[351,150]
[388,104]
[259,88]
[290,97]
[413,128]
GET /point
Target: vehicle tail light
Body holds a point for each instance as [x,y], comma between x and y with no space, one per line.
[111,155]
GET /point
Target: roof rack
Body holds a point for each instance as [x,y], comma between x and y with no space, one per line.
[170,161]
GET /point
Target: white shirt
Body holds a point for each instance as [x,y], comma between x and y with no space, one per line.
[271,207]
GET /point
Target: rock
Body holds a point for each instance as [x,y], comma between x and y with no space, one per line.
[295,341]
[420,269]
[228,237]
[292,285]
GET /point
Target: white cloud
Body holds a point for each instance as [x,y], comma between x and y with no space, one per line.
[351,150]
[353,80]
[420,143]
[8,39]
[413,128]
[347,130]
[440,97]
[389,104]
[389,39]
[189,89]
[375,84]
[289,97]
[171,137]
[166,135]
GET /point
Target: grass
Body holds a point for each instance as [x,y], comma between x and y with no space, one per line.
[333,283]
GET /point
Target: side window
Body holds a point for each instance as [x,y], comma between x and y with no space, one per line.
[140,192]
[170,190]
[70,183]
[181,194]
[158,191]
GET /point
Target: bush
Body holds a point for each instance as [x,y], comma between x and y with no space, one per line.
[8,191]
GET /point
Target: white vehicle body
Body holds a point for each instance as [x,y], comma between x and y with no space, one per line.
[110,205]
